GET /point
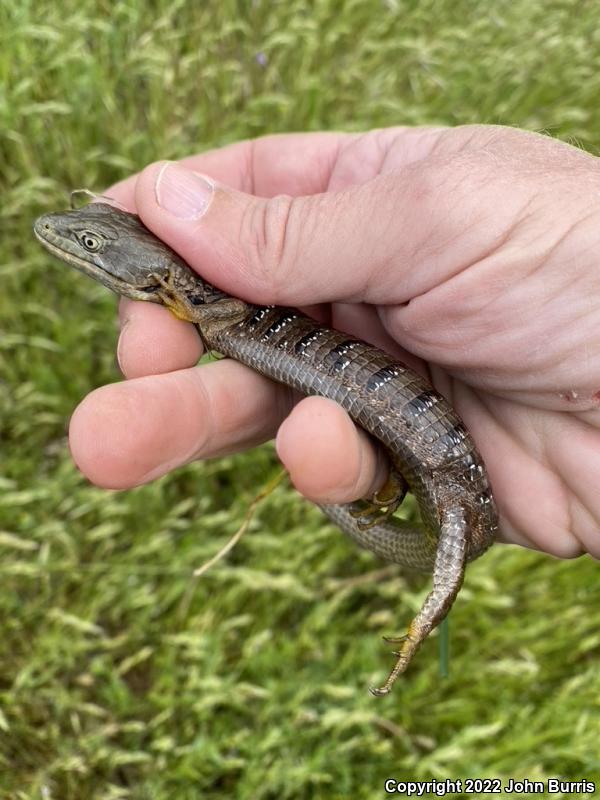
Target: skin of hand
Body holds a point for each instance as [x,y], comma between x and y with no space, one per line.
[472,254]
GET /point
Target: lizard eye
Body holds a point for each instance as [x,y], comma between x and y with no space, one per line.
[90,241]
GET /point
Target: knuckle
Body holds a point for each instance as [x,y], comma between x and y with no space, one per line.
[267,234]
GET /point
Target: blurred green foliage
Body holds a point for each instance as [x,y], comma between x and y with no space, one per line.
[122,676]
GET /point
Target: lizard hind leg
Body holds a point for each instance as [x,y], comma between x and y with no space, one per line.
[448,574]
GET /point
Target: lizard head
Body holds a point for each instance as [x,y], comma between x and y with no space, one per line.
[116,249]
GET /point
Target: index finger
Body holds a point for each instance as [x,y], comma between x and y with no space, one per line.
[290,163]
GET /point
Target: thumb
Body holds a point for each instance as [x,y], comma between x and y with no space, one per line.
[285,250]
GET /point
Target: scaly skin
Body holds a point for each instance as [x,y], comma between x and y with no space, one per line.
[429,448]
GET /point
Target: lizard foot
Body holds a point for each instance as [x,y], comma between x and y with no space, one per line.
[383,503]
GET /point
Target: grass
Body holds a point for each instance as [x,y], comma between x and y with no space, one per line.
[122,676]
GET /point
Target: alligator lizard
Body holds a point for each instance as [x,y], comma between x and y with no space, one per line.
[430,451]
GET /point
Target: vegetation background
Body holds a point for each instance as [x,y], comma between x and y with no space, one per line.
[122,676]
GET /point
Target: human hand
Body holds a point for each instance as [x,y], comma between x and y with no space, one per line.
[469,253]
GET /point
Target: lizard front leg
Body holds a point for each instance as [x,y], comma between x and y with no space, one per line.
[209,317]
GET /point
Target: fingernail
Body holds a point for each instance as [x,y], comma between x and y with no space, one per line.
[120,348]
[181,192]
[124,312]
